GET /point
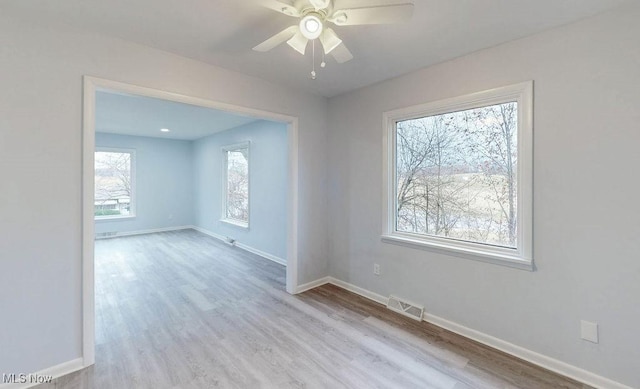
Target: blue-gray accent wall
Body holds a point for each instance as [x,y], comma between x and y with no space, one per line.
[180,183]
[164,183]
[268,168]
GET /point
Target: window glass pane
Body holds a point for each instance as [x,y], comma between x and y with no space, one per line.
[238,184]
[112,184]
[456,175]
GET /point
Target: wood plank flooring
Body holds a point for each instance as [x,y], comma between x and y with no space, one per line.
[183,310]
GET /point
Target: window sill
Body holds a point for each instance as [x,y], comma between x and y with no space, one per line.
[113,218]
[477,255]
[236,223]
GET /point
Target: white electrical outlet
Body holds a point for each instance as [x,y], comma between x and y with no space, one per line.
[589,331]
[376,269]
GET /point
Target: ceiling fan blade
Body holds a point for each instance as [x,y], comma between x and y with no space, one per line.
[329,40]
[320,4]
[284,7]
[342,54]
[298,42]
[277,39]
[382,14]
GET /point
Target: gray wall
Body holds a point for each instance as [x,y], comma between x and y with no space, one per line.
[586,204]
[585,232]
[267,185]
[41,164]
[164,183]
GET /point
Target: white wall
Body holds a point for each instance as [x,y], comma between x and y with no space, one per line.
[40,162]
[268,156]
[163,183]
[586,204]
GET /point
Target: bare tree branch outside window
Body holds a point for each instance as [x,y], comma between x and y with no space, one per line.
[113,192]
[456,175]
[237,200]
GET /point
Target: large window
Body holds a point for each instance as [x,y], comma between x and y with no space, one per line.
[236,184]
[114,183]
[459,175]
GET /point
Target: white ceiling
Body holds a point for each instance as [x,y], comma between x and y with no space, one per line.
[222,32]
[144,116]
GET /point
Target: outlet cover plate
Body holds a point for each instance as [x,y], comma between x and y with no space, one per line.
[589,331]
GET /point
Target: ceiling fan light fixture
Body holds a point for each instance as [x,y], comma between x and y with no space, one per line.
[329,40]
[298,42]
[311,26]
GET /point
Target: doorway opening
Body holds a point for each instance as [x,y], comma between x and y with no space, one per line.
[225,179]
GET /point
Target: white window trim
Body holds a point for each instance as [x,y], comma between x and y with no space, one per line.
[520,257]
[224,218]
[133,204]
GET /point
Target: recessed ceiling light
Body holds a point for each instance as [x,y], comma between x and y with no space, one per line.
[165,130]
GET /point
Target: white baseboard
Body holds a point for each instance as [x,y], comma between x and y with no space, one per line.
[54,371]
[360,291]
[262,254]
[210,233]
[243,246]
[313,284]
[535,358]
[204,231]
[144,232]
[557,366]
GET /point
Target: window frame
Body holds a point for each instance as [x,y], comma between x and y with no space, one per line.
[520,257]
[225,183]
[133,201]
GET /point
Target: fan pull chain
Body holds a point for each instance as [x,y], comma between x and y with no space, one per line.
[313,59]
[323,64]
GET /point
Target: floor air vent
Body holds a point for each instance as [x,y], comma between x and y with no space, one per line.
[406,308]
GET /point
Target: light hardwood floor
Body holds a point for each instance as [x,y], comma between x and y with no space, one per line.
[183,310]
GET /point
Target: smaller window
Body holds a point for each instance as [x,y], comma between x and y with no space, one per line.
[114,183]
[236,184]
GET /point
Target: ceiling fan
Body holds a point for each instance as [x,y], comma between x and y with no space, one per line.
[315,16]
